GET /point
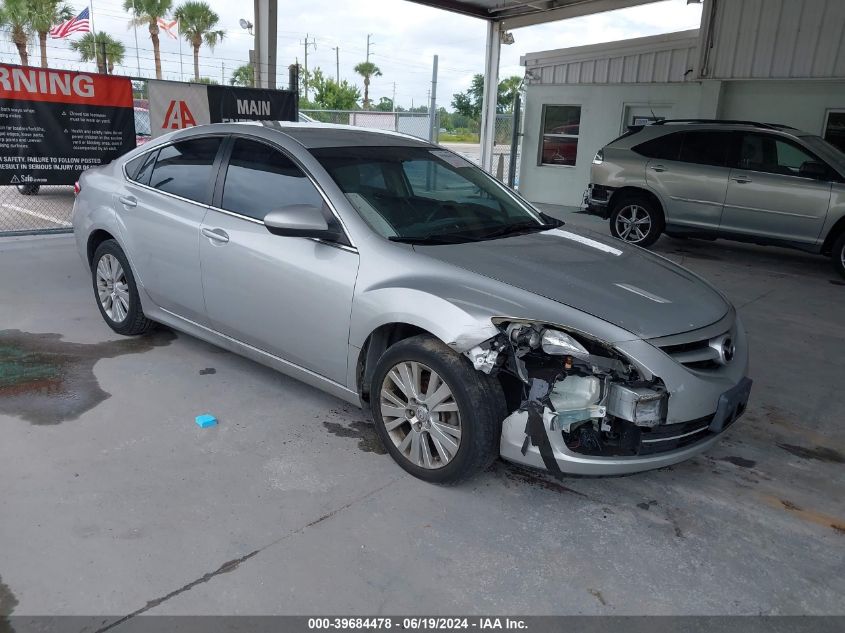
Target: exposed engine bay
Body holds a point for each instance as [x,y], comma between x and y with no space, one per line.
[571,385]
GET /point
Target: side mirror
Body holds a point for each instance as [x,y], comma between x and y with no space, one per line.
[300,220]
[815,170]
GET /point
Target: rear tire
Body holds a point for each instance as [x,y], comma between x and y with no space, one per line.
[838,255]
[116,292]
[459,435]
[637,220]
[29,190]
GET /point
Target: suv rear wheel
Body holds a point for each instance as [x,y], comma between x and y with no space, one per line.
[838,254]
[636,220]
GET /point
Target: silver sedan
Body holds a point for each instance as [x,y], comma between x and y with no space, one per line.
[395,275]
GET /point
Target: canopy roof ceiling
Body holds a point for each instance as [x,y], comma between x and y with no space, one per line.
[519,13]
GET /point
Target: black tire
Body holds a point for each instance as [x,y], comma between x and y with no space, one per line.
[480,405]
[838,254]
[134,322]
[29,190]
[630,207]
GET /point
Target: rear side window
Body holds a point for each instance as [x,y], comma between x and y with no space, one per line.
[260,179]
[186,168]
[705,147]
[666,147]
[759,152]
[139,169]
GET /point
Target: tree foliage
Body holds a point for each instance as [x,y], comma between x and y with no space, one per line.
[243,76]
[197,23]
[91,48]
[146,13]
[367,70]
[469,103]
[331,95]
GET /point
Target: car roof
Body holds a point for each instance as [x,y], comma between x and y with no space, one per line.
[314,135]
[648,132]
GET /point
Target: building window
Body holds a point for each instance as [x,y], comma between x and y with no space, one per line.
[834,129]
[561,124]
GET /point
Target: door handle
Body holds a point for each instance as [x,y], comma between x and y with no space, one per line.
[658,168]
[128,201]
[741,179]
[218,235]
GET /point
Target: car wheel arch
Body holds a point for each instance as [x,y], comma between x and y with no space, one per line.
[627,192]
[96,238]
[832,235]
[376,344]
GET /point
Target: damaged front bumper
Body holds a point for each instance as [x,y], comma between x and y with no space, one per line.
[590,408]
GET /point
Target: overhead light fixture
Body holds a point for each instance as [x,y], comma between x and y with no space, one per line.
[507,38]
[246,24]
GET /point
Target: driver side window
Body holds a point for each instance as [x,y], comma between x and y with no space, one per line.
[259,179]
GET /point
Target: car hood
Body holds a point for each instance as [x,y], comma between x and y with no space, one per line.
[616,282]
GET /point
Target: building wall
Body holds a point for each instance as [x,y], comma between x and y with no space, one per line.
[771,39]
[602,110]
[800,103]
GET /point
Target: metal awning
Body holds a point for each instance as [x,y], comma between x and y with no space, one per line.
[520,13]
[504,15]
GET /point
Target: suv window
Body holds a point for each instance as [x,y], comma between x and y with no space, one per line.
[185,168]
[666,147]
[705,147]
[760,152]
[260,179]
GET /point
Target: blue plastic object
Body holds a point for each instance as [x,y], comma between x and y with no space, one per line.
[206,420]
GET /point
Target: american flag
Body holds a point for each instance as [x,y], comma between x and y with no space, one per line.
[80,24]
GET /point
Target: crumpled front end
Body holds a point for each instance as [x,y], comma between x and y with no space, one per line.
[582,406]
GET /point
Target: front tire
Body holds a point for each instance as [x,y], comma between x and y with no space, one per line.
[838,255]
[116,291]
[637,220]
[439,418]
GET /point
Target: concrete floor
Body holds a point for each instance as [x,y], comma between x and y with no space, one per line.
[112,501]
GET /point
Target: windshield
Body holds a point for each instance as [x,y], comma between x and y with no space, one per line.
[421,194]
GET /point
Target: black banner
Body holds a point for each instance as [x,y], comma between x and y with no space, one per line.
[227,104]
[56,124]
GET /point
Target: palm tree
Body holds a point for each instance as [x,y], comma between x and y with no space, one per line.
[147,13]
[91,48]
[15,17]
[196,23]
[367,70]
[243,76]
[44,14]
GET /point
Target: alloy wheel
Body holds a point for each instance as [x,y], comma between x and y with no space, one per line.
[633,223]
[112,288]
[420,415]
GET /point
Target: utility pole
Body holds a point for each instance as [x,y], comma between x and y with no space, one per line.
[337,62]
[308,42]
[222,73]
[135,29]
[432,110]
[369,35]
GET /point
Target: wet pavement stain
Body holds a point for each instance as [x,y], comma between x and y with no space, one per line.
[46,381]
[208,371]
[819,453]
[646,505]
[531,478]
[739,461]
[364,432]
[598,596]
[8,602]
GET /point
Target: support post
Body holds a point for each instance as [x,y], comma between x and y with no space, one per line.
[491,94]
[266,25]
[432,108]
[515,137]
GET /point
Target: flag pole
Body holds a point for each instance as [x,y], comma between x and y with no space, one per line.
[179,37]
[91,18]
[135,28]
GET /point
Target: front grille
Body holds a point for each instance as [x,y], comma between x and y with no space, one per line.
[697,354]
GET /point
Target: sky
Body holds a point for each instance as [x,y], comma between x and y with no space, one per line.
[405,37]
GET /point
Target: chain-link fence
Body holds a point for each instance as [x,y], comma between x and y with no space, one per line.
[414,123]
[26,209]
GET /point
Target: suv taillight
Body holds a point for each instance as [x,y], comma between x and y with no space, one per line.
[599,159]
[76,188]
